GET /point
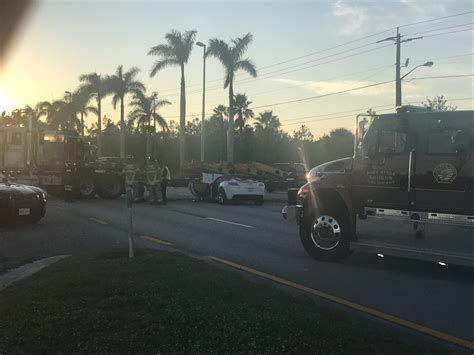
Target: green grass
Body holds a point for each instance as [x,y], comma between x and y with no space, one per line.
[169,303]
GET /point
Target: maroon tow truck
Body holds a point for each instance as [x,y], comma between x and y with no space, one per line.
[413,167]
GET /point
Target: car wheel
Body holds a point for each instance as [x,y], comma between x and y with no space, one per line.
[326,236]
[221,197]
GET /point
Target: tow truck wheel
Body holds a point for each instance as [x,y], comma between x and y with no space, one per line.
[86,187]
[326,236]
[221,197]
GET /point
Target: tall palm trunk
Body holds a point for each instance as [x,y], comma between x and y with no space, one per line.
[122,129]
[182,121]
[82,124]
[230,128]
[99,126]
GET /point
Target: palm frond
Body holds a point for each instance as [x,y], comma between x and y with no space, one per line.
[162,63]
[220,50]
[241,45]
[115,100]
[246,65]
[164,50]
[160,121]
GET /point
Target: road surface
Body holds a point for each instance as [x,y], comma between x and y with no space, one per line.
[427,294]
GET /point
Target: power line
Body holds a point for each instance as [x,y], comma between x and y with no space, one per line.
[440,29]
[337,46]
[287,72]
[325,95]
[437,19]
[359,110]
[447,33]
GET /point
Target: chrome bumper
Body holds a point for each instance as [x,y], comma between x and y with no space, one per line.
[292,213]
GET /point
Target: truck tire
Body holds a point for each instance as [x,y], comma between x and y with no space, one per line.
[221,197]
[111,188]
[325,235]
[86,187]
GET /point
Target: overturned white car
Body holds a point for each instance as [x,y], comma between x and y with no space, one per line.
[228,188]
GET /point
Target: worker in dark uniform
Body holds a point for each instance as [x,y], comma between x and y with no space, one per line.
[165,180]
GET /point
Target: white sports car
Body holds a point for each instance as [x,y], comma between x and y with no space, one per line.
[237,188]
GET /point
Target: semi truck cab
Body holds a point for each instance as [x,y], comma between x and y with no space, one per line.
[407,191]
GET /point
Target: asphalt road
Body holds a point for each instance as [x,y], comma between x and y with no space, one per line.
[428,294]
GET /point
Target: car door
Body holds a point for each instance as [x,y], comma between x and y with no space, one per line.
[380,169]
[443,176]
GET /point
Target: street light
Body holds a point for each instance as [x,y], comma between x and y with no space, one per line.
[203,137]
[399,81]
[427,64]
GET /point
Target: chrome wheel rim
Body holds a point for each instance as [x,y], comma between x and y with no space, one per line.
[326,232]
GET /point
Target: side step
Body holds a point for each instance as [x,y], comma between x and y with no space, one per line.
[424,217]
[466,259]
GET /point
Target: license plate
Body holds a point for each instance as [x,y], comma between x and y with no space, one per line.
[23,211]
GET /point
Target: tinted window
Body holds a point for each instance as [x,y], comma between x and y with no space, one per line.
[387,135]
[448,136]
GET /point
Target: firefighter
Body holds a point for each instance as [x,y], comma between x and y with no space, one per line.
[165,179]
[152,172]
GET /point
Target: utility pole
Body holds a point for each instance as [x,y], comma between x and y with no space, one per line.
[398,81]
[398,88]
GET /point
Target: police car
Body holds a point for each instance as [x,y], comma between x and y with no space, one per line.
[20,203]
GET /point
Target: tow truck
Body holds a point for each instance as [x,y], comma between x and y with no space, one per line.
[55,159]
[410,169]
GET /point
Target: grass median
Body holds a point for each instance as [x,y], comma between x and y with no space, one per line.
[164,302]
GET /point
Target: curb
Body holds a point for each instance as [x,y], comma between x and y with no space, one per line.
[27,270]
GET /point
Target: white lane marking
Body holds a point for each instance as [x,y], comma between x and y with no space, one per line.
[97,220]
[229,222]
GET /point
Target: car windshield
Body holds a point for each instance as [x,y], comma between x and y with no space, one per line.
[236,177]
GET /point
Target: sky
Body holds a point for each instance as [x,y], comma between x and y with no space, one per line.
[306,53]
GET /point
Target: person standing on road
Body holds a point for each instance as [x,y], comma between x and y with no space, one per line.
[165,179]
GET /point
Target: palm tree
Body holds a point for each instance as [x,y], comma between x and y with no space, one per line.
[244,113]
[267,121]
[144,110]
[95,87]
[80,100]
[121,84]
[176,53]
[63,114]
[221,112]
[231,59]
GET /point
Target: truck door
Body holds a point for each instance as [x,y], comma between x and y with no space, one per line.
[443,173]
[380,167]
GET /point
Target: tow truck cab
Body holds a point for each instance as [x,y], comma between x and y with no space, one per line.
[410,169]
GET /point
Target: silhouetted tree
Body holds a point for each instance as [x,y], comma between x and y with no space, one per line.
[242,110]
[119,85]
[231,58]
[95,87]
[175,53]
[439,103]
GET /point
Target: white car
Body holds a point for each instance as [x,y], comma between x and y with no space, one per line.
[228,188]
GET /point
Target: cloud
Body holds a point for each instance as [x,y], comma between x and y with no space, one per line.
[424,10]
[354,17]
